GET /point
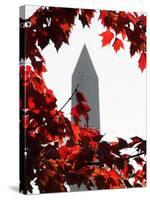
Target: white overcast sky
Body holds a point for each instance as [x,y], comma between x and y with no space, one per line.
[122,86]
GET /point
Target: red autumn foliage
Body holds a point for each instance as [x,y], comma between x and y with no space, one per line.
[86,16]
[81,109]
[107,37]
[131,26]
[142,61]
[55,25]
[118,44]
[58,151]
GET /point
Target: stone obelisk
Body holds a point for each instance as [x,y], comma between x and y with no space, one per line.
[86,76]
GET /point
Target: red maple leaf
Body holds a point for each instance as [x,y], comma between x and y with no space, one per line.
[117,45]
[76,132]
[80,97]
[86,16]
[123,33]
[132,18]
[80,109]
[65,27]
[107,37]
[63,151]
[31,103]
[73,153]
[142,61]
[103,14]
[75,114]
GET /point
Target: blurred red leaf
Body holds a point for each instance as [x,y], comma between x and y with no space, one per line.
[80,97]
[139,160]
[86,16]
[118,44]
[132,18]
[79,110]
[103,14]
[31,103]
[142,61]
[63,151]
[73,152]
[76,132]
[107,37]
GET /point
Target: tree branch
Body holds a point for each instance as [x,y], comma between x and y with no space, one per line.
[139,154]
[99,163]
[75,90]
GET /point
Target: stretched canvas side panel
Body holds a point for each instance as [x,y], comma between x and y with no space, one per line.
[22,93]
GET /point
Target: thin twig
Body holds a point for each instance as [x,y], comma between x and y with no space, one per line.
[139,154]
[69,98]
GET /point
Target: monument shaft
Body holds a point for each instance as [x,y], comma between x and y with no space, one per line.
[85,75]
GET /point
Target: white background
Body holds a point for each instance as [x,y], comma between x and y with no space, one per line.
[9,99]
